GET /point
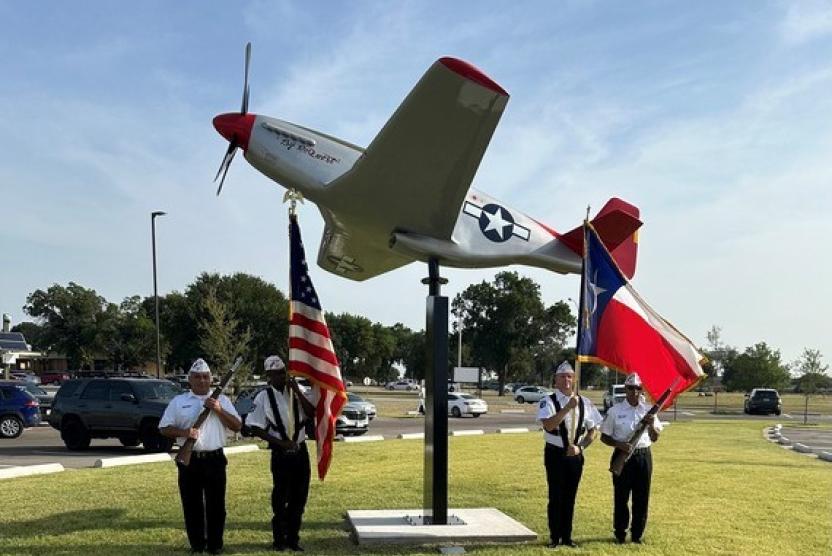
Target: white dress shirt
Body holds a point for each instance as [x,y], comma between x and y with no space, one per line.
[262,416]
[183,410]
[622,420]
[546,409]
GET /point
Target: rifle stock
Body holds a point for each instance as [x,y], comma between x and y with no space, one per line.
[621,457]
[184,454]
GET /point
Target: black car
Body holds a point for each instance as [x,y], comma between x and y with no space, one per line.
[125,408]
[763,400]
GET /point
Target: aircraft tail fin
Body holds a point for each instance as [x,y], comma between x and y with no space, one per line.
[617,224]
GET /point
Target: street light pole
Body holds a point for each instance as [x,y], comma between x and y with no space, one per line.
[153,216]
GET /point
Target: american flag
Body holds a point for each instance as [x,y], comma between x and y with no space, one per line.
[310,349]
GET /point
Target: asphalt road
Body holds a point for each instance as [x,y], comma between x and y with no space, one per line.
[43,444]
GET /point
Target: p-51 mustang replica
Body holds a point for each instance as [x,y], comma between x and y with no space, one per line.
[407,196]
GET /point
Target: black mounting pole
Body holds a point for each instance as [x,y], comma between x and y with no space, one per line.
[436,400]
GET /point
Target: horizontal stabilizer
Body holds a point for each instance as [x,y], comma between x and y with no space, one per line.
[617,225]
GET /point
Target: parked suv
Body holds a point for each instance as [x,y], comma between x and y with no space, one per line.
[763,400]
[613,395]
[18,409]
[125,408]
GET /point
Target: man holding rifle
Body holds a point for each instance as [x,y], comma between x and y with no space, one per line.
[202,479]
[617,430]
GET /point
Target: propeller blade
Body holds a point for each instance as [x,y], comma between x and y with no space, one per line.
[226,164]
[244,108]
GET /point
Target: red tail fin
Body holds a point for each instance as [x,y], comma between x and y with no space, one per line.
[617,224]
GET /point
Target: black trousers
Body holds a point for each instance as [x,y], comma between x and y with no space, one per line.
[634,480]
[563,474]
[290,477]
[202,489]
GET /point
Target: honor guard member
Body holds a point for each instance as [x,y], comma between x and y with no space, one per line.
[202,481]
[570,423]
[279,417]
[621,421]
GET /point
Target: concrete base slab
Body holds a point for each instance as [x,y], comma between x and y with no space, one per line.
[411,436]
[476,525]
[517,430]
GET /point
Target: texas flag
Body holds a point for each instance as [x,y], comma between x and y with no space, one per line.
[619,329]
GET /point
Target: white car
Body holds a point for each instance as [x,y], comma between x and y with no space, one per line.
[530,394]
[401,385]
[466,404]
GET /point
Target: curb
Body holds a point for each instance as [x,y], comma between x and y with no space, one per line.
[26,470]
[512,430]
[826,456]
[512,411]
[411,436]
[131,460]
[365,438]
[802,448]
[466,433]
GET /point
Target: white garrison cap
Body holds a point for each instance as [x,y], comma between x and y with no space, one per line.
[564,368]
[273,363]
[633,380]
[200,366]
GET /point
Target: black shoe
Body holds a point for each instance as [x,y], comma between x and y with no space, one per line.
[296,547]
[215,551]
[638,540]
[553,544]
[278,546]
[570,544]
[620,540]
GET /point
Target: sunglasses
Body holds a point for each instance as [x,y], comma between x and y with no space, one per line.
[633,387]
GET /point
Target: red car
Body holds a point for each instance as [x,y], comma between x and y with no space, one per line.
[54,377]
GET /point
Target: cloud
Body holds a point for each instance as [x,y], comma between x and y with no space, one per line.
[806,21]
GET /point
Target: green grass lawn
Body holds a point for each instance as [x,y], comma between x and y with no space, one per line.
[718,488]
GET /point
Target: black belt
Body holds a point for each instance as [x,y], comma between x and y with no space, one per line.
[642,450]
[208,454]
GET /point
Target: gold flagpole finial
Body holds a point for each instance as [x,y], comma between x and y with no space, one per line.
[293,196]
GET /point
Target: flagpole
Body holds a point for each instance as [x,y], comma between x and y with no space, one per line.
[293,197]
[583,321]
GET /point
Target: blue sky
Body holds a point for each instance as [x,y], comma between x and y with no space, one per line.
[714,118]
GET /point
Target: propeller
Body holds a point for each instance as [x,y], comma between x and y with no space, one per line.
[234,143]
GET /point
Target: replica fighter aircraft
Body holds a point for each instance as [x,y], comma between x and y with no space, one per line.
[407,196]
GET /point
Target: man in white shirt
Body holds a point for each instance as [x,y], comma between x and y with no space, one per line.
[570,423]
[279,417]
[202,481]
[621,421]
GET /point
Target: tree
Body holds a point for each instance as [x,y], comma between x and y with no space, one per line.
[222,340]
[33,333]
[759,366]
[814,375]
[73,320]
[507,324]
[129,336]
[256,304]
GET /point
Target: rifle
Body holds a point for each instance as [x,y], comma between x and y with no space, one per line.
[621,457]
[184,455]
